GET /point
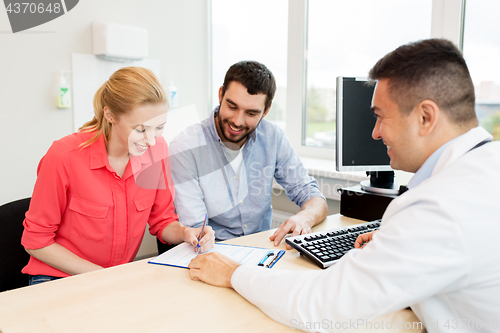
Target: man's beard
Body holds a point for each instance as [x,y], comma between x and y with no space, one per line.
[222,128]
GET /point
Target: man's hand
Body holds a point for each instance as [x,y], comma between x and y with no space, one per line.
[213,268]
[363,238]
[206,242]
[312,212]
[296,224]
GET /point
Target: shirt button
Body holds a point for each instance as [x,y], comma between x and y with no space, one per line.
[241,201]
[245,225]
[234,177]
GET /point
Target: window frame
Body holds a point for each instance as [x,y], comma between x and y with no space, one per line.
[447,21]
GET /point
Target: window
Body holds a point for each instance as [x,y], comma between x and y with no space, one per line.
[308,43]
[482,53]
[346,38]
[251,30]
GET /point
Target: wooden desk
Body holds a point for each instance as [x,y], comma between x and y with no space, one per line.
[141,297]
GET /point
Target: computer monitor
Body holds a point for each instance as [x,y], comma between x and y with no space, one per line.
[356,150]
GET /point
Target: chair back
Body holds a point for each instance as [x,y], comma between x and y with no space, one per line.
[13,257]
[164,247]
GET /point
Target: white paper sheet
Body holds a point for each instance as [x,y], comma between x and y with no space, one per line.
[182,254]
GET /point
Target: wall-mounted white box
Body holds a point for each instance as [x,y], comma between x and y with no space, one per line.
[119,42]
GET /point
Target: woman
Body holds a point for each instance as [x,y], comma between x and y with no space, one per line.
[97,188]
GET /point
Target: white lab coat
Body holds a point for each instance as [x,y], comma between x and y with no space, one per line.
[437,251]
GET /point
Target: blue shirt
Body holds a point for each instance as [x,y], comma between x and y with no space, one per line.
[426,169]
[236,204]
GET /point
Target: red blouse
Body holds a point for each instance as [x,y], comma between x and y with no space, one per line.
[80,203]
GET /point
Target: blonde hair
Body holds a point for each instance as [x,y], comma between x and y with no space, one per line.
[126,89]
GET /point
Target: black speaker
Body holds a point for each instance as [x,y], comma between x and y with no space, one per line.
[359,204]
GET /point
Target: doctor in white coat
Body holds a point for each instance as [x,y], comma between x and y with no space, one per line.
[437,249]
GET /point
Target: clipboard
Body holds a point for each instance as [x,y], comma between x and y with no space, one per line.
[182,254]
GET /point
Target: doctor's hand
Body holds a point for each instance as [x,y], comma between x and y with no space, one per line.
[213,268]
[297,225]
[363,238]
[206,242]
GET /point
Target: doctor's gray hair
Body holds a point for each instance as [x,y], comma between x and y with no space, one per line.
[432,69]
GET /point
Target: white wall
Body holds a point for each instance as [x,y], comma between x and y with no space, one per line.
[29,61]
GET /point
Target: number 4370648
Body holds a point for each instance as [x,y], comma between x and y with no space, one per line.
[27,7]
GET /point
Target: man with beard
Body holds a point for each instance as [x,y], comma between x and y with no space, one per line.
[224,167]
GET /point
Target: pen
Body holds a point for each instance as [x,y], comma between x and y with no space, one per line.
[201,234]
[269,254]
[275,259]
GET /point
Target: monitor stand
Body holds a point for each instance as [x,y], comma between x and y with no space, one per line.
[381,182]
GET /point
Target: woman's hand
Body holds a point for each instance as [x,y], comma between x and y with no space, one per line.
[176,233]
[191,236]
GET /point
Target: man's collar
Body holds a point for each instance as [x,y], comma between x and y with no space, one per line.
[425,171]
[212,127]
[460,146]
[448,153]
